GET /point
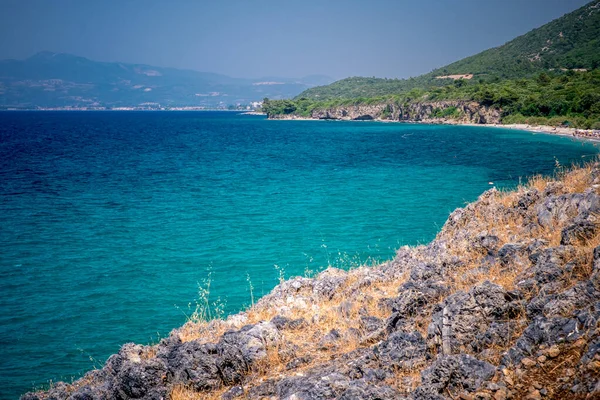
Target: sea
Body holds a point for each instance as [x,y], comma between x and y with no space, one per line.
[112,223]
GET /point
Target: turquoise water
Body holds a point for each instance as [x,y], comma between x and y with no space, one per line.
[108,221]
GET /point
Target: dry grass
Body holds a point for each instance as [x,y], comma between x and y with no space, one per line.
[539,182]
[405,381]
[205,331]
[181,392]
[321,316]
[577,179]
[551,375]
[495,216]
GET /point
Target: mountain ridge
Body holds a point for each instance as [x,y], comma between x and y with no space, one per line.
[49,79]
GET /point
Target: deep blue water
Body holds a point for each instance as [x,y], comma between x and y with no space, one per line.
[109,220]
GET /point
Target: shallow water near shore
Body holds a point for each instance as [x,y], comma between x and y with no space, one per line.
[109,220]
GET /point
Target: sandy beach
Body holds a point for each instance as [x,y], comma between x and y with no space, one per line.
[554,130]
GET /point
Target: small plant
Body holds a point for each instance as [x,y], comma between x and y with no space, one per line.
[281,272]
[251,287]
[205,310]
[448,112]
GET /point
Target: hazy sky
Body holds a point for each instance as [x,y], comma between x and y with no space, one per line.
[386,38]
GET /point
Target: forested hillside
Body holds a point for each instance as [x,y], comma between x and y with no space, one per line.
[548,76]
[569,42]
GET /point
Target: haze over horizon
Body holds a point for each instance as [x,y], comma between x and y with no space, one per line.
[394,39]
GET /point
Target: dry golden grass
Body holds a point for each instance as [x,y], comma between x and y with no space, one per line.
[207,332]
[148,352]
[181,392]
[304,341]
[495,216]
[538,182]
[577,179]
[405,381]
[552,374]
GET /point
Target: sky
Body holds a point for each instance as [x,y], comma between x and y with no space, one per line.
[252,39]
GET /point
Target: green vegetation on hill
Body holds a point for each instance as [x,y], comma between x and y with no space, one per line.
[553,98]
[357,87]
[547,76]
[569,42]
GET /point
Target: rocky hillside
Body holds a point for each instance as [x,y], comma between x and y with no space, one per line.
[503,304]
[452,111]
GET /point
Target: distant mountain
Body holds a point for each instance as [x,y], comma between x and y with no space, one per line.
[63,80]
[569,42]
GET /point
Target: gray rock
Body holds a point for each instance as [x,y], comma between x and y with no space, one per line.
[231,364]
[579,232]
[208,366]
[194,364]
[402,350]
[233,393]
[412,300]
[542,330]
[453,373]
[369,324]
[579,296]
[84,394]
[512,253]
[559,208]
[252,340]
[458,319]
[143,380]
[426,284]
[286,323]
[596,259]
[312,387]
[330,340]
[489,243]
[361,390]
[528,199]
[548,268]
[327,283]
[499,334]
[298,362]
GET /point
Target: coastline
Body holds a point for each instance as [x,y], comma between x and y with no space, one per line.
[585,134]
[588,134]
[253,113]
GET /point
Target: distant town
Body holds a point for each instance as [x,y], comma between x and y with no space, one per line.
[253,106]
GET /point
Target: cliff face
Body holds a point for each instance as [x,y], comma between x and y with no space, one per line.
[503,304]
[434,112]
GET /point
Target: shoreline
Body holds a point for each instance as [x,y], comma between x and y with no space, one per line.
[588,134]
[576,133]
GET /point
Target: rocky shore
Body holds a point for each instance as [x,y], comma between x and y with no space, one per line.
[503,304]
[458,112]
[463,113]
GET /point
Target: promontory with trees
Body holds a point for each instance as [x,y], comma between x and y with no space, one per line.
[549,76]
